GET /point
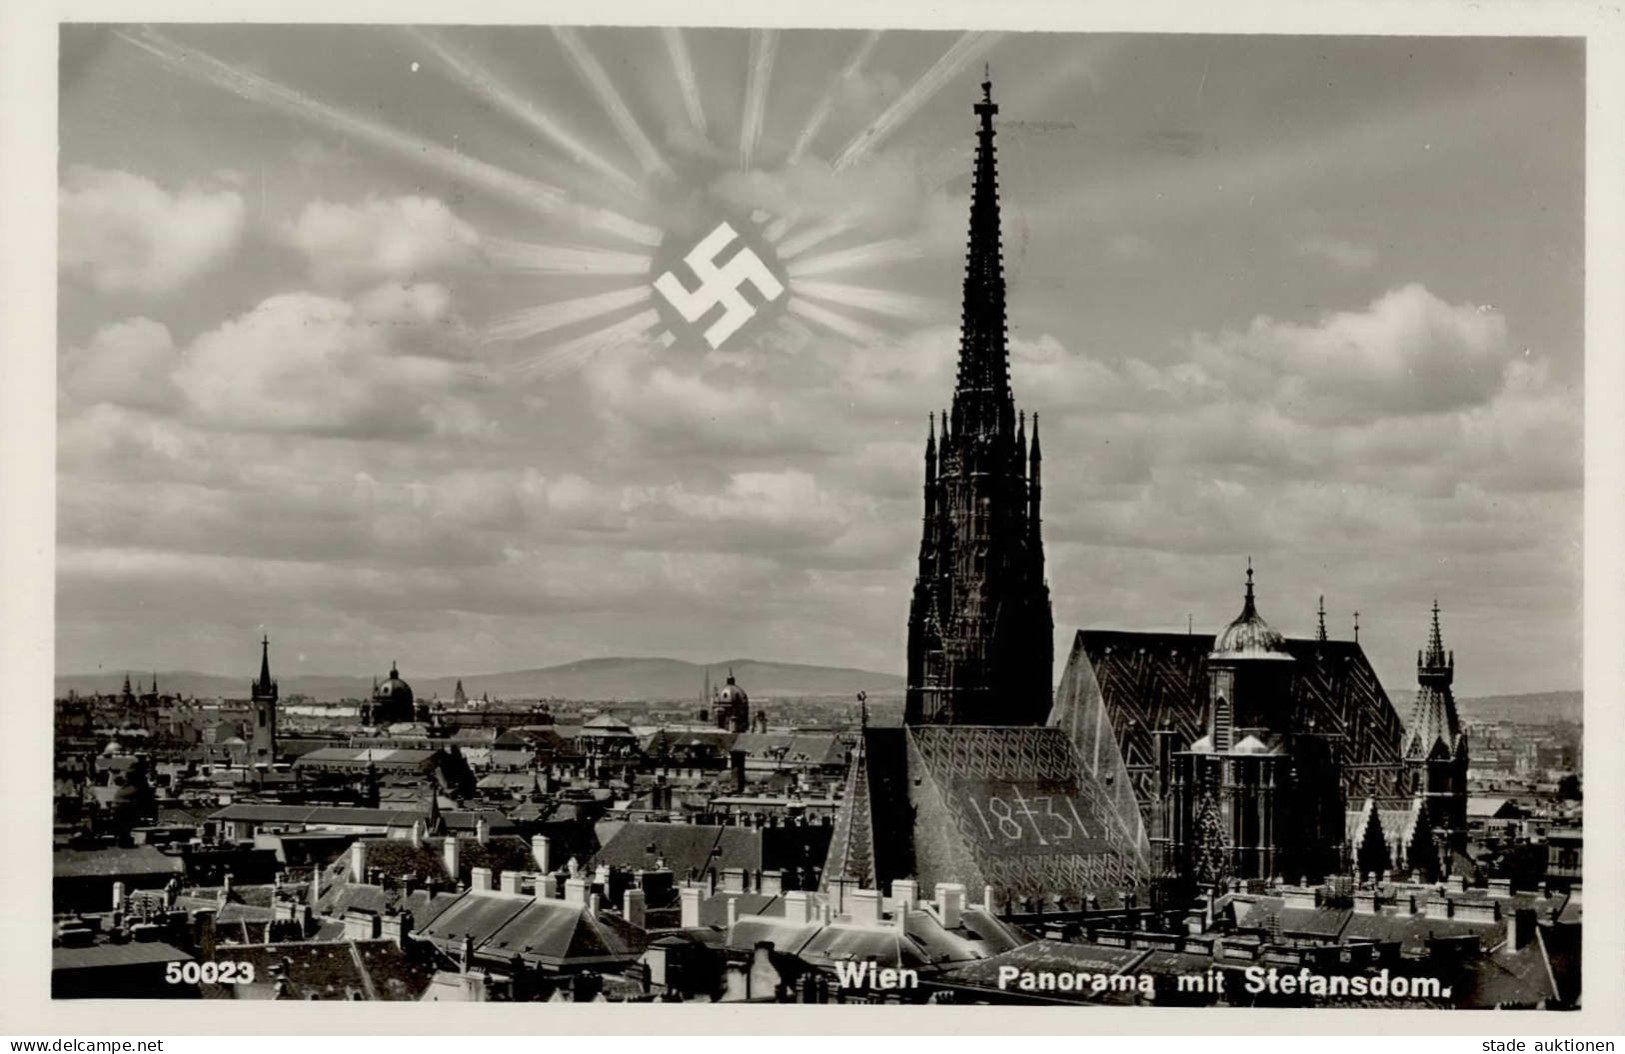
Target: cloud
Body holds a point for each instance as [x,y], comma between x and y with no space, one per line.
[122,233]
[379,238]
[1345,254]
[302,362]
[128,363]
[1408,352]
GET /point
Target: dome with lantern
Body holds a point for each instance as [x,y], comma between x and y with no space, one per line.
[1249,636]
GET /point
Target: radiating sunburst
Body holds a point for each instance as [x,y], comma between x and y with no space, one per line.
[639,238]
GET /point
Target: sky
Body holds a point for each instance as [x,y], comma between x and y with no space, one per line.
[360,345]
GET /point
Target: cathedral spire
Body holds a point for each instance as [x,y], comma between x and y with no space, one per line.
[1320,620]
[980,628]
[1435,657]
[982,399]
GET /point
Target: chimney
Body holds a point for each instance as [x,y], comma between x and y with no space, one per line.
[449,847]
[1520,927]
[864,906]
[575,891]
[482,830]
[511,880]
[737,758]
[118,896]
[481,880]
[358,860]
[541,848]
[689,896]
[396,928]
[633,910]
[315,884]
[771,883]
[950,903]
[905,892]
[798,907]
[593,903]
[417,834]
[987,900]
[733,880]
[733,916]
[1365,902]
[360,925]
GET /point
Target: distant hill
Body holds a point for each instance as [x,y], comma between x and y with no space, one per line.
[1534,708]
[589,680]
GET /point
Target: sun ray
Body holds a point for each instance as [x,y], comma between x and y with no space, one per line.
[800,243]
[683,66]
[563,259]
[482,82]
[820,112]
[619,113]
[964,51]
[544,199]
[873,254]
[527,323]
[865,298]
[764,44]
[834,320]
[573,353]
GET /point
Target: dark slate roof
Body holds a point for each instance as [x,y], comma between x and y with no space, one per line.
[714,910]
[140,861]
[502,852]
[841,942]
[1147,681]
[468,819]
[553,932]
[548,932]
[685,847]
[817,748]
[1324,922]
[1412,931]
[98,956]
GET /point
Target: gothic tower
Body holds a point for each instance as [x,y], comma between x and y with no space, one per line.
[262,701]
[980,632]
[1435,747]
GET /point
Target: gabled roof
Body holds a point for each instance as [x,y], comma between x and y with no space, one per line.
[545,932]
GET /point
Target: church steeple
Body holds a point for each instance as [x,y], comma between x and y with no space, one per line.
[264,684]
[1320,620]
[980,629]
[982,400]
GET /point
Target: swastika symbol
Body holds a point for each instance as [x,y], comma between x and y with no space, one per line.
[720,285]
